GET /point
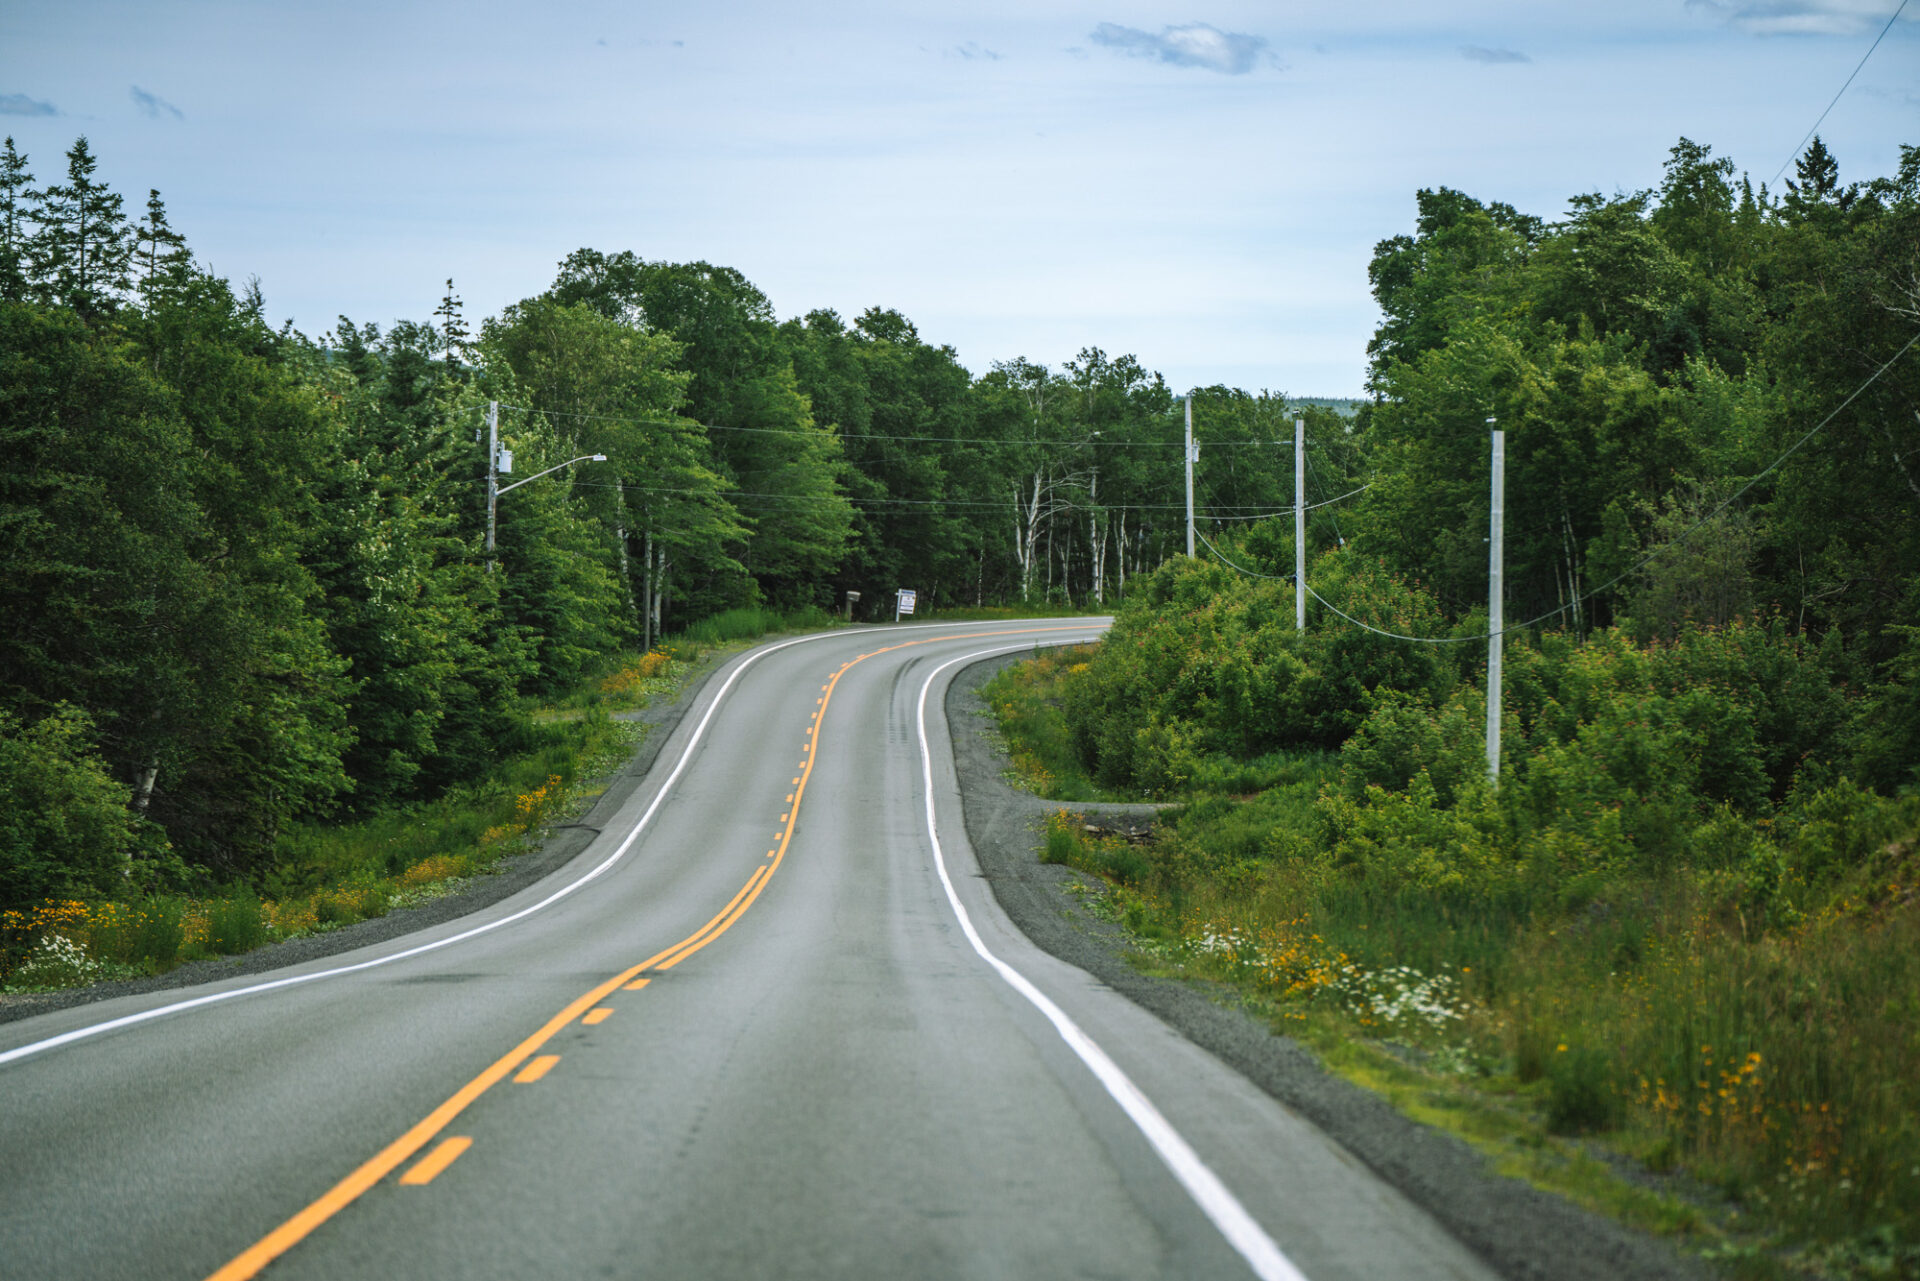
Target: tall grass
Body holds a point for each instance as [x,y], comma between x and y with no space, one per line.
[749,622]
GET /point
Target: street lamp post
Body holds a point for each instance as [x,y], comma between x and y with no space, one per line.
[495,488]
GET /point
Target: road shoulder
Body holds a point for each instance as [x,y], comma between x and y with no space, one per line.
[1519,1230]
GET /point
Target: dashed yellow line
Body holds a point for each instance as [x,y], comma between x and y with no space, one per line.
[249,1262]
[535,1070]
[435,1161]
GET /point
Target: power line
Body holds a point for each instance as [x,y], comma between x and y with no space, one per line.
[1638,565]
[1843,89]
[875,501]
[843,435]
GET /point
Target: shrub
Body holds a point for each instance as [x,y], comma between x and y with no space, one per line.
[64,825]
[235,925]
[1580,1091]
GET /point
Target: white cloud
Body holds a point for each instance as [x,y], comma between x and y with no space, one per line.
[973,53]
[1799,17]
[1480,53]
[1194,45]
[153,106]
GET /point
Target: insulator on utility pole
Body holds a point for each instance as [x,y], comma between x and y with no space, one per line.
[1496,599]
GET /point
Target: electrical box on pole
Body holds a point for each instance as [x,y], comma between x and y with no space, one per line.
[1300,524]
[1192,453]
[1496,600]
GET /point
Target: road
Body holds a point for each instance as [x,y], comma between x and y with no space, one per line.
[770,1023]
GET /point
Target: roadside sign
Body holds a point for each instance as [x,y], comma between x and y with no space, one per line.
[902,603]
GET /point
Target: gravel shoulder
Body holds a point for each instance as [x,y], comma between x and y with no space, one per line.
[1519,1230]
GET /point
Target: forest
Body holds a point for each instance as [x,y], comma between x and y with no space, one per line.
[245,579]
[244,570]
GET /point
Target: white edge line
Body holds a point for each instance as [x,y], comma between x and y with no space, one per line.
[1240,1228]
[214,998]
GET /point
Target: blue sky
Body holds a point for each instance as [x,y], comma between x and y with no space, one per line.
[1202,187]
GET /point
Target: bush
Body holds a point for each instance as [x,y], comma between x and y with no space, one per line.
[65,829]
[1580,1093]
[235,925]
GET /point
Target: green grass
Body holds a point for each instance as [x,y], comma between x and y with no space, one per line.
[746,623]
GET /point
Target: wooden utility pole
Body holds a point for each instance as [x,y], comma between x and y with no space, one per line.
[493,472]
[1192,453]
[1300,524]
[1496,599]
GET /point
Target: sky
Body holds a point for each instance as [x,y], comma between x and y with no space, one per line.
[1199,185]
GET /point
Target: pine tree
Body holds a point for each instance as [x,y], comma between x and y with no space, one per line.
[160,254]
[14,194]
[81,252]
[453,329]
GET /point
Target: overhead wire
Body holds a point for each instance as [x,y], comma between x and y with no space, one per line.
[1638,565]
[1096,443]
[1843,89]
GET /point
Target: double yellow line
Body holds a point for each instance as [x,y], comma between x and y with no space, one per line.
[344,1193]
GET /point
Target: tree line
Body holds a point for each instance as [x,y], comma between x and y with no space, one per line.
[244,569]
[244,575]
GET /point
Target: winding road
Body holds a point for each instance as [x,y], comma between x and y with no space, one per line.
[771,1023]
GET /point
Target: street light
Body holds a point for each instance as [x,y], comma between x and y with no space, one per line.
[584,458]
[495,488]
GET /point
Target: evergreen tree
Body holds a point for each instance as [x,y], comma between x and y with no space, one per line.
[160,254]
[14,198]
[82,251]
[453,328]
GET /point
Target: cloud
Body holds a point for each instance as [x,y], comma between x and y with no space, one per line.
[18,104]
[1798,17]
[152,106]
[972,53]
[1194,45]
[1479,53]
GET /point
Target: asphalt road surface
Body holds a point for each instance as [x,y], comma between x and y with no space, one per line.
[770,1023]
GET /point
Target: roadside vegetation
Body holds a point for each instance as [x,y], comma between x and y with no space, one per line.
[1677,938]
[330,873]
[1669,934]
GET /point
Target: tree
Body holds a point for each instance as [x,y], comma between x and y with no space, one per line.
[81,252]
[15,196]
[453,328]
[160,254]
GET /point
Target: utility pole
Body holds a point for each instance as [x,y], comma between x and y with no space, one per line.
[1496,599]
[493,472]
[1300,524]
[1193,452]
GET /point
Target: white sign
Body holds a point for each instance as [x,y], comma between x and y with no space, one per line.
[905,603]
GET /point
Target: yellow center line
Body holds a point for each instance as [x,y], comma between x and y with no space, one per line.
[541,1065]
[249,1262]
[435,1161]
